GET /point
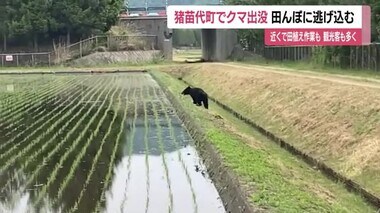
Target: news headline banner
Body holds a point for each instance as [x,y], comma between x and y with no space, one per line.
[285,25]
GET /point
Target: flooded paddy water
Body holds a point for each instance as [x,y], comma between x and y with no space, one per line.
[97,143]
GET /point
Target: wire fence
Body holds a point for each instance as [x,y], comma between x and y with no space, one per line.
[356,57]
[104,43]
[63,53]
[26,59]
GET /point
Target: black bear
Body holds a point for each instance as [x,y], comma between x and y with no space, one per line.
[198,96]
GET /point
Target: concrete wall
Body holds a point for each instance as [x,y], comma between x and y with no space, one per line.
[133,57]
[149,25]
[217,44]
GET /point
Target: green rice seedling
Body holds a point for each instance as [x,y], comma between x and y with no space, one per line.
[161,145]
[59,145]
[172,136]
[94,162]
[8,94]
[107,179]
[146,145]
[31,144]
[41,120]
[16,117]
[80,156]
[130,146]
[21,105]
[23,92]
[54,173]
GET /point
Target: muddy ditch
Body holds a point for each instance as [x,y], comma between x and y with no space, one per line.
[232,194]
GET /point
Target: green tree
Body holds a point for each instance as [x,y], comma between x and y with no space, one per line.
[8,10]
[32,19]
[66,17]
[4,24]
[83,18]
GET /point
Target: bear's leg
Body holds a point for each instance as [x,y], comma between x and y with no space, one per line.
[205,103]
[194,99]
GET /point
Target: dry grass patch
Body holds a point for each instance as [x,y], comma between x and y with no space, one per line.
[335,122]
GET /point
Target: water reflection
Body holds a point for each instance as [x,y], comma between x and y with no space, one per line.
[18,198]
[152,180]
[18,204]
[185,184]
[21,202]
[157,167]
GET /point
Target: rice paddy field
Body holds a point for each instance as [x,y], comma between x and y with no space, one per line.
[97,143]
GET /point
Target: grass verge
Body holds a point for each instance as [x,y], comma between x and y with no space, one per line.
[290,66]
[276,180]
[299,66]
[106,67]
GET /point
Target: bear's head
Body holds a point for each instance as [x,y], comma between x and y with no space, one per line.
[186,91]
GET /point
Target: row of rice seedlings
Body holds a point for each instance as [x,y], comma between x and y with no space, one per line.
[31,108]
[7,97]
[146,143]
[38,122]
[78,112]
[15,120]
[34,98]
[146,146]
[176,144]
[11,179]
[41,123]
[32,101]
[130,149]
[94,162]
[161,145]
[14,112]
[54,173]
[109,174]
[75,164]
[20,92]
[50,129]
[20,127]
[88,133]
[34,142]
[22,85]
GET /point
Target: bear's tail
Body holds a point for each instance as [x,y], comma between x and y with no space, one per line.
[205,103]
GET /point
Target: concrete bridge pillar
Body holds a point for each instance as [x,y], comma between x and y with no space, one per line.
[217,44]
[208,43]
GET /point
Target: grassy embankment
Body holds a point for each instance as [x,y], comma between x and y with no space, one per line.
[276,180]
[334,122]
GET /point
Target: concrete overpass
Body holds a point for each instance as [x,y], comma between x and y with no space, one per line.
[217,44]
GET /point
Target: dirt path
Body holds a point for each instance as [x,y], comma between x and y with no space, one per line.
[348,80]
